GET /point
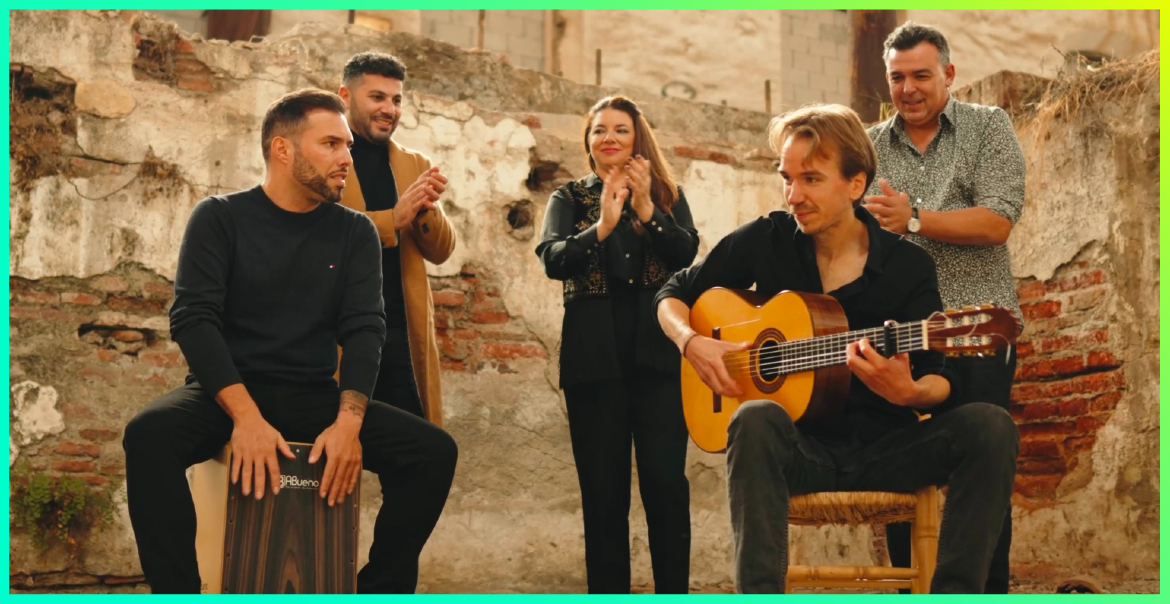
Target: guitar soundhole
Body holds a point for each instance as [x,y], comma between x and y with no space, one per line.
[766,366]
[769,370]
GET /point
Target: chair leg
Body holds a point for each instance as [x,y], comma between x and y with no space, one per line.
[924,539]
[915,584]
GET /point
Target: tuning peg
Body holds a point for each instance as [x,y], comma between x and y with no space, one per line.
[950,311]
[970,353]
[987,306]
[968,307]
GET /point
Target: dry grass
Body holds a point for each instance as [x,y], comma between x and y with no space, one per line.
[1070,96]
[1092,101]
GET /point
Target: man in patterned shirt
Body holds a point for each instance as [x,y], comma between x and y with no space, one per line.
[951,178]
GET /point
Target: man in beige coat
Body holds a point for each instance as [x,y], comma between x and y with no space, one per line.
[399,190]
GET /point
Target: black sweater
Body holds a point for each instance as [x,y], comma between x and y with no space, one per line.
[265,294]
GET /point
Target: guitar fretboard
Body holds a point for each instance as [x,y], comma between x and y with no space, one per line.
[824,351]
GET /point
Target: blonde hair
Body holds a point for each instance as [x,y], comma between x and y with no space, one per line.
[663,188]
[828,129]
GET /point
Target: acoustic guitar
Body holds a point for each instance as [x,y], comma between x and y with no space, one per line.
[797,353]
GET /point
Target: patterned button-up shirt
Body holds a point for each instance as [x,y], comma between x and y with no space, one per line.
[973,161]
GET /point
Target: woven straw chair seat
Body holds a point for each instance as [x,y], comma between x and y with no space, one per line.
[853,508]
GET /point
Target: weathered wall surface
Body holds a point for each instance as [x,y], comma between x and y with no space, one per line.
[1086,257]
[519,34]
[726,55]
[712,56]
[984,42]
[722,55]
[106,163]
[103,183]
[815,47]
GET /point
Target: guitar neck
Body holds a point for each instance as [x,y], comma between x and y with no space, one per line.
[824,351]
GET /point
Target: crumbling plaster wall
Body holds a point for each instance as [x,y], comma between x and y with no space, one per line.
[984,42]
[142,133]
[1085,255]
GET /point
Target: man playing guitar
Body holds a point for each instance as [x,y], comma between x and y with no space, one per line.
[827,244]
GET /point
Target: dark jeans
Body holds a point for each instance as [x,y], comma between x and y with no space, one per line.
[988,380]
[396,386]
[972,449]
[603,418]
[414,460]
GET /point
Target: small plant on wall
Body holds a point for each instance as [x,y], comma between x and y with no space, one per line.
[60,508]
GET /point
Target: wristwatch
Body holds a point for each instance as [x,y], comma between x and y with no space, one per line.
[913,225]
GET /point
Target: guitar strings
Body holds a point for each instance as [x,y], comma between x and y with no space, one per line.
[795,365]
[793,348]
[812,361]
[792,356]
[904,343]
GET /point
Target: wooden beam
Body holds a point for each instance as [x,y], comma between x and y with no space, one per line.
[479,31]
[550,42]
[867,68]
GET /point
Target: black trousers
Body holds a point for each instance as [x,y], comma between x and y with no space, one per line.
[971,449]
[414,460]
[604,417]
[396,386]
[987,379]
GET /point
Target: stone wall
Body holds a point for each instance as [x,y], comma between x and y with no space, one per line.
[519,34]
[705,55]
[815,47]
[1086,258]
[713,56]
[717,56]
[105,170]
[984,42]
[115,137]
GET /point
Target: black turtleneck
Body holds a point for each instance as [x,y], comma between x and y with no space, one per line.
[372,164]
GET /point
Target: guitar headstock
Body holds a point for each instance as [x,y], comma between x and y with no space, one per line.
[973,330]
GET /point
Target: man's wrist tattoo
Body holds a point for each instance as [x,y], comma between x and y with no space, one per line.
[354,402]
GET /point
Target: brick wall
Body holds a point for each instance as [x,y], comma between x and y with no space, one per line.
[104,344]
[170,59]
[1068,377]
[190,21]
[474,330]
[519,34]
[110,336]
[814,50]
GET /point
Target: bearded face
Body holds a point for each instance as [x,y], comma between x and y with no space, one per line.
[321,181]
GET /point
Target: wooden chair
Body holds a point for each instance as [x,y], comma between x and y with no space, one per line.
[922,509]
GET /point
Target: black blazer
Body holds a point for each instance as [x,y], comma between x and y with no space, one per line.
[570,252]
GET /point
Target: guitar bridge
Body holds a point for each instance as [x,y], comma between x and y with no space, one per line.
[716,400]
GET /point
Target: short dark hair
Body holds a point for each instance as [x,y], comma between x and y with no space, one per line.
[373,63]
[287,115]
[911,34]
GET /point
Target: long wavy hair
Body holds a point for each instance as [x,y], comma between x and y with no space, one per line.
[663,188]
